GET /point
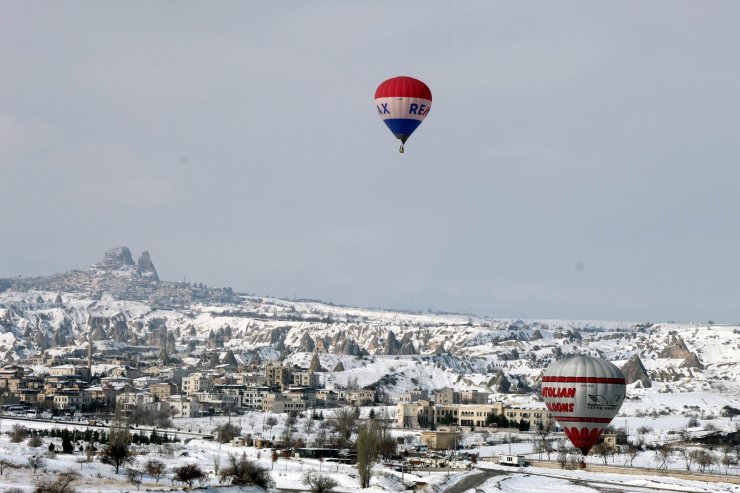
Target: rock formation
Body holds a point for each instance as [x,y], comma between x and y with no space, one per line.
[146,267]
[692,361]
[676,348]
[635,371]
[117,258]
[306,345]
[392,346]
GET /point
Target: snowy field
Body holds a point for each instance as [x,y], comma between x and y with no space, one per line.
[288,473]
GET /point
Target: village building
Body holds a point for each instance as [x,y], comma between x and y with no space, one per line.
[428,414]
[439,440]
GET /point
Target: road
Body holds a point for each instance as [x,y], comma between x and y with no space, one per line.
[474,480]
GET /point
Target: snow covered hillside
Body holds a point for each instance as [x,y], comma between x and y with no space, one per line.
[391,350]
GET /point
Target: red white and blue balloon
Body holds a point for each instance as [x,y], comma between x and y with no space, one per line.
[403,103]
[583,394]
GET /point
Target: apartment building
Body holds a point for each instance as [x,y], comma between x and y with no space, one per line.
[183,406]
[196,382]
[71,400]
[162,390]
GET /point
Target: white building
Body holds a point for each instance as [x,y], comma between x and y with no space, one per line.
[196,382]
[183,406]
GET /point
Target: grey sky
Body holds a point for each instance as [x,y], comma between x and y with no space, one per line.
[580,159]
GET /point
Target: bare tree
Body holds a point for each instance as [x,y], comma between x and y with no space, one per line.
[216,463]
[603,450]
[18,433]
[727,459]
[118,452]
[271,421]
[369,437]
[543,445]
[61,483]
[134,476]
[633,451]
[36,461]
[308,426]
[156,469]
[188,474]
[344,424]
[290,428]
[322,436]
[240,471]
[705,459]
[562,454]
[226,432]
[688,455]
[663,455]
[319,483]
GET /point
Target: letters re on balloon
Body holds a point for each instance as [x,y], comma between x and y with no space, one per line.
[403,103]
[583,394]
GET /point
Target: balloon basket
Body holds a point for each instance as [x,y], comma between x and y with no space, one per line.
[582,465]
[400,150]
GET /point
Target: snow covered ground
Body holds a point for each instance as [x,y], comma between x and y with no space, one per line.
[288,473]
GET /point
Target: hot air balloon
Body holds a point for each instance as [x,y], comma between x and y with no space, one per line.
[583,394]
[403,103]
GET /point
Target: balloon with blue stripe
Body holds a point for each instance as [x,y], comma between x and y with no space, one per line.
[403,103]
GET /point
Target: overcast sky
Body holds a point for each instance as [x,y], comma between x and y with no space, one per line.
[580,159]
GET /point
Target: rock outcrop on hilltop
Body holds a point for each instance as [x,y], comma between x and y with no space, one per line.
[123,279]
[117,258]
[146,267]
[634,371]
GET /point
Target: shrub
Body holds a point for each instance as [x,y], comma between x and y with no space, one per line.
[156,469]
[134,476]
[240,471]
[35,441]
[318,483]
[36,461]
[61,483]
[226,432]
[18,433]
[188,473]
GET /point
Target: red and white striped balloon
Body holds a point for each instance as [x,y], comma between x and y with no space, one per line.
[583,394]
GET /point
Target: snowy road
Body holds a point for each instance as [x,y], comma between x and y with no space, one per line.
[473,480]
[491,480]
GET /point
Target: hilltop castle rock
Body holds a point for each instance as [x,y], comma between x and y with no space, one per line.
[123,279]
[117,258]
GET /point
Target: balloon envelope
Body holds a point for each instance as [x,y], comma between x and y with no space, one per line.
[583,394]
[403,103]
